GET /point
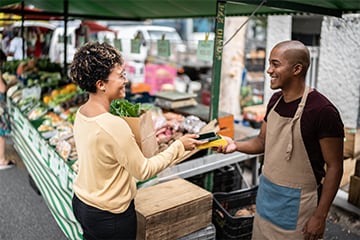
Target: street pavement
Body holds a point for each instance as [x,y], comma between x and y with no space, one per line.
[25,216]
[23,213]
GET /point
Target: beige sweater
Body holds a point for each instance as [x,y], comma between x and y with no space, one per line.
[110,161]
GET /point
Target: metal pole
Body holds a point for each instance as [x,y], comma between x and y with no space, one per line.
[66,15]
[217,59]
[22,29]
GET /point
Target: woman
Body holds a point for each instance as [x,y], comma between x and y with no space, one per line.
[4,123]
[109,158]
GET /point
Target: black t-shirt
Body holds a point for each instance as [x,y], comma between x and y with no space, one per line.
[320,119]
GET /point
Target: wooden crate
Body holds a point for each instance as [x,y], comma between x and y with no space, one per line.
[354,191]
[349,169]
[172,209]
[357,168]
[352,142]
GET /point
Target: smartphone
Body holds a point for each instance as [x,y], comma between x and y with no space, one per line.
[210,136]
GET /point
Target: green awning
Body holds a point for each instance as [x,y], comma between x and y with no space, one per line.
[152,9]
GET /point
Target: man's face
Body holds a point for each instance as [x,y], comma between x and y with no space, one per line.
[279,70]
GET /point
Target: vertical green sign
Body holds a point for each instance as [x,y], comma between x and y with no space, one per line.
[217,60]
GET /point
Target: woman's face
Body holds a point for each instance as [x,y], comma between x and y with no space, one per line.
[115,86]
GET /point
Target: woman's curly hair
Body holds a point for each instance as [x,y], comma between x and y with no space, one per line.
[92,62]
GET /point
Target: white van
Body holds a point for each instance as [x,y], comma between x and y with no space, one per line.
[149,35]
[56,52]
[77,35]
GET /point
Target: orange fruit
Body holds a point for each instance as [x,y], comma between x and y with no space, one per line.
[46,99]
[55,92]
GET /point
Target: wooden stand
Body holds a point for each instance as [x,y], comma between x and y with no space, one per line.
[354,192]
[354,189]
[172,209]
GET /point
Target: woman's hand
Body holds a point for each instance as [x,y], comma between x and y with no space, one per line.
[190,142]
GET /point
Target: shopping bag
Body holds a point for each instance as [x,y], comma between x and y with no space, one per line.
[144,133]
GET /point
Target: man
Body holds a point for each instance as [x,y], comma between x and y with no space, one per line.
[302,131]
[5,41]
[16,47]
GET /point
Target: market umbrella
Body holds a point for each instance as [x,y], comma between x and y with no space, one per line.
[95,27]
[30,13]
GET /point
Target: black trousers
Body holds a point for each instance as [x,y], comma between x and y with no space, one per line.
[103,225]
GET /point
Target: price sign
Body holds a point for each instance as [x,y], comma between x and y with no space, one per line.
[118,44]
[163,48]
[135,45]
[205,50]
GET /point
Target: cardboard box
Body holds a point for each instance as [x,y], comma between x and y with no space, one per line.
[226,125]
[172,209]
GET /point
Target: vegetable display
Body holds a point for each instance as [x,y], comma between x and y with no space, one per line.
[124,108]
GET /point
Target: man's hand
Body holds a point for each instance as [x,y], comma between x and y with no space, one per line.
[228,148]
[314,228]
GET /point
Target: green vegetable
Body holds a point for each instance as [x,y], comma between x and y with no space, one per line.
[124,108]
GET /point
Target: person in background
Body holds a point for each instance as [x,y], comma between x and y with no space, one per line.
[109,158]
[302,131]
[16,47]
[5,41]
[4,121]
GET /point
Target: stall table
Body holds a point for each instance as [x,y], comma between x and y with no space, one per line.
[54,176]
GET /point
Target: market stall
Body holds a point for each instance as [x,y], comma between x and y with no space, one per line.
[53,175]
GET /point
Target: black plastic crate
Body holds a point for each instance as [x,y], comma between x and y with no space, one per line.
[224,179]
[225,205]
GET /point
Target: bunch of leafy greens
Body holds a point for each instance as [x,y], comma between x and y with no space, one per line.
[124,108]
